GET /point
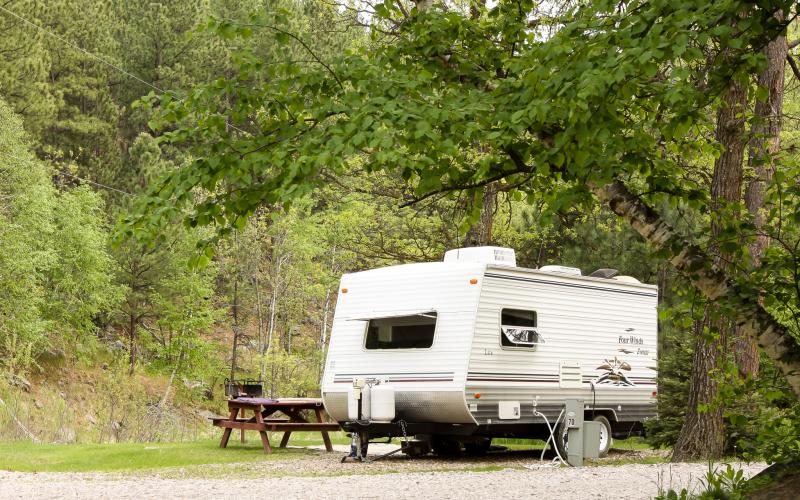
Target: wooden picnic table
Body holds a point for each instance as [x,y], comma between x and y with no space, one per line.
[262,420]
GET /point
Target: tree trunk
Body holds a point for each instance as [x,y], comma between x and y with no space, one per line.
[764,144]
[273,307]
[131,342]
[703,433]
[235,308]
[262,345]
[750,316]
[480,233]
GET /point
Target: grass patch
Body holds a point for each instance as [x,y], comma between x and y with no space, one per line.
[649,460]
[310,438]
[630,444]
[30,457]
[23,456]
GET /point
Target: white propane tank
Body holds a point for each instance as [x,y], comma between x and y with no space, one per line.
[352,403]
[382,403]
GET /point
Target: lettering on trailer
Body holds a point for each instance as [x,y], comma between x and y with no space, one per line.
[631,340]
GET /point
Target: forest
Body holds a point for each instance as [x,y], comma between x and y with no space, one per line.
[183,183]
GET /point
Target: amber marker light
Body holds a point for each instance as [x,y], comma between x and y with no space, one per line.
[477,395]
[473,281]
[344,290]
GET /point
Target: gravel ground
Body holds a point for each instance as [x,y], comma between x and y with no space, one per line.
[510,474]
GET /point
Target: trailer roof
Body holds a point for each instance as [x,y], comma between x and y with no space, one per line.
[550,274]
[425,267]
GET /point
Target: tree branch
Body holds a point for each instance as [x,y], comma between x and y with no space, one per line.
[793,64]
[521,167]
[755,321]
[305,46]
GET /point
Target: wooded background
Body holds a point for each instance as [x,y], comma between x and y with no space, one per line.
[183,184]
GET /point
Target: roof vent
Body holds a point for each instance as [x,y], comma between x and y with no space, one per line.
[572,271]
[604,273]
[483,255]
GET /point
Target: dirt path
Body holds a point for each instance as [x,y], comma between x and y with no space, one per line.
[320,475]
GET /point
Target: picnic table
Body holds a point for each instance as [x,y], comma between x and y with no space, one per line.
[264,409]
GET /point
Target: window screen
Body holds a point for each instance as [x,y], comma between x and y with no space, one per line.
[518,328]
[404,332]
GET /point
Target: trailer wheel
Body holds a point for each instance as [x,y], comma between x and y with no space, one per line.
[445,447]
[561,440]
[480,447]
[605,437]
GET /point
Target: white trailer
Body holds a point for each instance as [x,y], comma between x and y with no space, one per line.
[474,347]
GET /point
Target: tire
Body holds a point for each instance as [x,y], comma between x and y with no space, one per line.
[561,440]
[445,447]
[605,437]
[480,447]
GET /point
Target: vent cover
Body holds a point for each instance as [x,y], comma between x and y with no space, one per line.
[604,273]
[570,375]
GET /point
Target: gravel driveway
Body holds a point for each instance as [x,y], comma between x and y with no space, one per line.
[320,475]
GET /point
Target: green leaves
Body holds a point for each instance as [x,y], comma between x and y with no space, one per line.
[612,93]
[55,270]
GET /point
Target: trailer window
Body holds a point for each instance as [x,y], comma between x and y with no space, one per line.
[518,328]
[404,332]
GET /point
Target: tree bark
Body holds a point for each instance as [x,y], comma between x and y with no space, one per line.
[273,308]
[480,233]
[703,433]
[750,316]
[262,346]
[764,144]
[235,310]
[131,342]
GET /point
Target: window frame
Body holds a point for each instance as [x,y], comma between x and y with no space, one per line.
[365,333]
[529,348]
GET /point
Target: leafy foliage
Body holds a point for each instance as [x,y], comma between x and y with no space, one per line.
[54,264]
[298,132]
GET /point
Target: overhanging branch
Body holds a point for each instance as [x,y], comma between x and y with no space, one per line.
[754,321]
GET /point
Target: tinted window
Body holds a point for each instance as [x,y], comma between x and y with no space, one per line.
[518,328]
[405,332]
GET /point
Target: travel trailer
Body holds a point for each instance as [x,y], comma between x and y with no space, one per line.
[472,348]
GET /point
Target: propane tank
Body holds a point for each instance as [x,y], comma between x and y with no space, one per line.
[361,390]
[382,403]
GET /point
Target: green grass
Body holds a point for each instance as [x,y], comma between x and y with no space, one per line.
[118,457]
[29,457]
[311,438]
[630,444]
[24,456]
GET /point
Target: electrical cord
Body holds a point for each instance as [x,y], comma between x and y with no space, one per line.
[558,460]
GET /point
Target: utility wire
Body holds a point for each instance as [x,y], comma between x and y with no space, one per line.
[94,56]
[93,183]
[78,48]
[88,181]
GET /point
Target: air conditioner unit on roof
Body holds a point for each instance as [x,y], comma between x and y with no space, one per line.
[485,255]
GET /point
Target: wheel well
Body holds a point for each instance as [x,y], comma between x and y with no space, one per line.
[606,412]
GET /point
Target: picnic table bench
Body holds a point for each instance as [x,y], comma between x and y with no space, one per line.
[264,408]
